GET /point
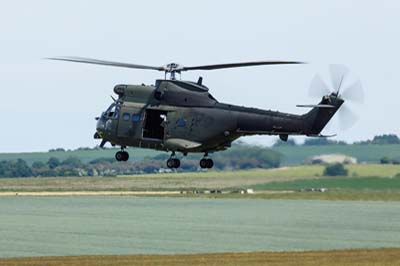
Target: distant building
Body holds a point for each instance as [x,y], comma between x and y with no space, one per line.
[332,159]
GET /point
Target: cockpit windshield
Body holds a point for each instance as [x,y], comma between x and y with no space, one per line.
[112,111]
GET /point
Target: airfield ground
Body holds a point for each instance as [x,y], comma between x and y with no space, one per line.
[366,182]
[349,216]
[377,257]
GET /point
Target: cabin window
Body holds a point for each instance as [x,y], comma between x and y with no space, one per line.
[135,117]
[126,116]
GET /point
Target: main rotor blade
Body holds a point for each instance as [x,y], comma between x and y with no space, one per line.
[318,87]
[243,64]
[105,63]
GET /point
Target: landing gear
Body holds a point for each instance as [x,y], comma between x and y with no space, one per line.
[122,156]
[173,162]
[206,162]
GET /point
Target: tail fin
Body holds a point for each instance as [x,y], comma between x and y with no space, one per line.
[321,114]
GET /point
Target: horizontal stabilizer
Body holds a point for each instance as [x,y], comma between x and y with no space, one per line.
[315,105]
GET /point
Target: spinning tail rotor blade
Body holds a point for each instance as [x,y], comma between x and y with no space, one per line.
[338,76]
[354,93]
[318,87]
[347,118]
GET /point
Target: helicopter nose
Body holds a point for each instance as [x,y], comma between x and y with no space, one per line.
[100,126]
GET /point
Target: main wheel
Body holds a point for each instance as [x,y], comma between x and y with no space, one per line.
[203,163]
[125,156]
[210,163]
[119,156]
[170,163]
[177,163]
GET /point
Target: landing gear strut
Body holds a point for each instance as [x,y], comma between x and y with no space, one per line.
[173,162]
[206,162]
[122,156]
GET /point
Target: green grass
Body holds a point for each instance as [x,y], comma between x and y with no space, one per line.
[364,153]
[291,155]
[337,195]
[368,183]
[195,180]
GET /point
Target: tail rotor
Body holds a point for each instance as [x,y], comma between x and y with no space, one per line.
[341,88]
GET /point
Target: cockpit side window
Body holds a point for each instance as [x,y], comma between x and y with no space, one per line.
[135,117]
[126,116]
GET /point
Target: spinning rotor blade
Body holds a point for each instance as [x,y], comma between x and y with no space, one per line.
[338,76]
[318,87]
[105,63]
[347,118]
[243,64]
[354,92]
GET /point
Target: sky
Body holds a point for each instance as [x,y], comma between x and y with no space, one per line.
[48,104]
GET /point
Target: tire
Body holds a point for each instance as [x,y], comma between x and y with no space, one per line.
[119,156]
[210,163]
[125,156]
[177,163]
[203,163]
[170,163]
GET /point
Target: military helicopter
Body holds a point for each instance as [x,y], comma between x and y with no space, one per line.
[182,116]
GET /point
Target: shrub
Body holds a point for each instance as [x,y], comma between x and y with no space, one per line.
[385,160]
[335,170]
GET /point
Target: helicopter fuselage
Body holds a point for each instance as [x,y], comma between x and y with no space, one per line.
[182,116]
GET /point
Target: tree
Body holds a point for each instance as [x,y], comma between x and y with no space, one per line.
[18,168]
[72,162]
[386,139]
[38,165]
[53,162]
[335,170]
[385,160]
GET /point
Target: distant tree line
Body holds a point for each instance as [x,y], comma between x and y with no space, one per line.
[241,157]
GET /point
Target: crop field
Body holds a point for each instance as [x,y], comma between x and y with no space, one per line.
[378,257]
[66,226]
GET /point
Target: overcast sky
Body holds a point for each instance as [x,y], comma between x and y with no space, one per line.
[48,104]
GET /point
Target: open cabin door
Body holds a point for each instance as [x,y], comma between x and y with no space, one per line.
[154,124]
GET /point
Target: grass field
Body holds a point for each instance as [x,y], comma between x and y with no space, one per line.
[98,225]
[376,257]
[341,183]
[291,155]
[364,153]
[196,180]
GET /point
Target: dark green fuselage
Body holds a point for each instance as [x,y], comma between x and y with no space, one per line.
[183,116]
